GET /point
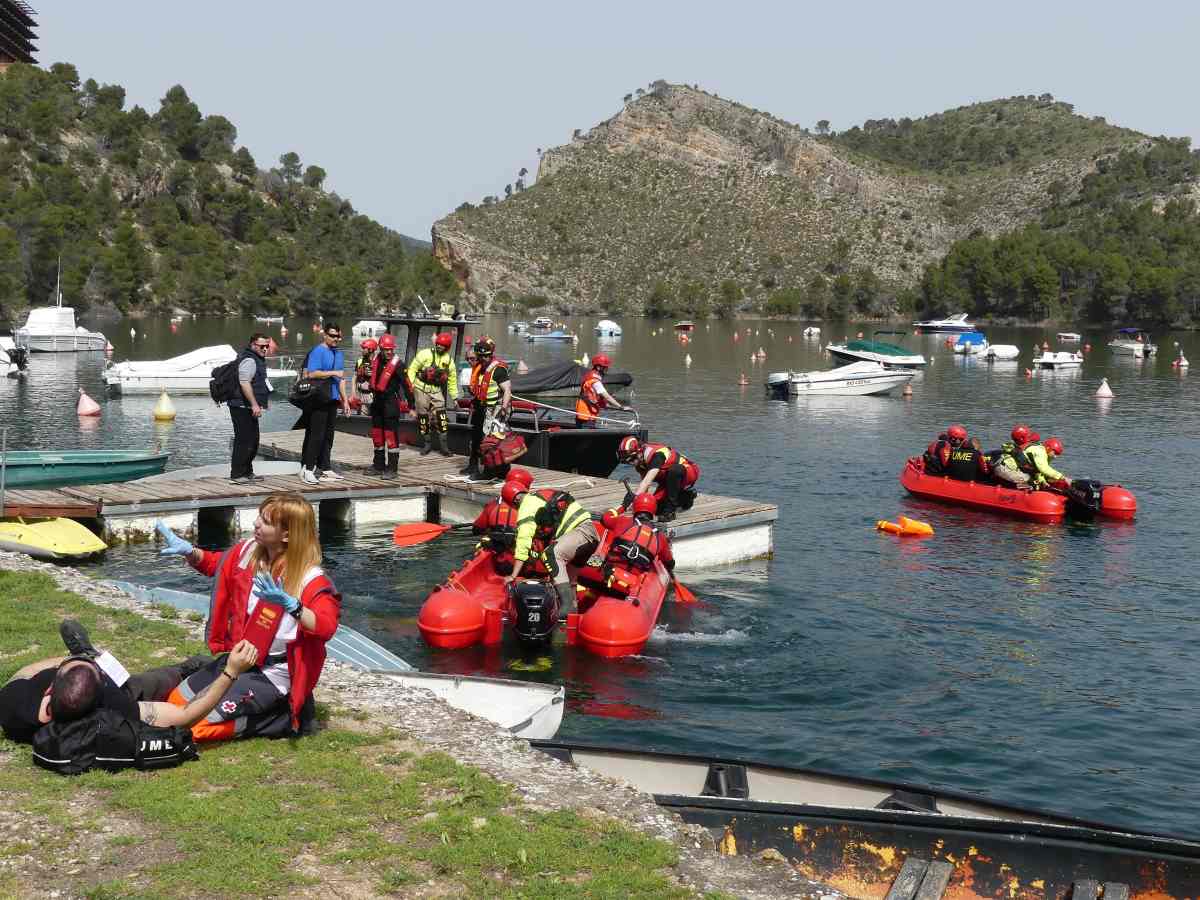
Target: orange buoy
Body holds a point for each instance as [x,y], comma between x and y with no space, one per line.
[1029,373]
[272,348]
[1045,345]
[1087,348]
[743,379]
[86,406]
[905,527]
[174,328]
[859,335]
[907,392]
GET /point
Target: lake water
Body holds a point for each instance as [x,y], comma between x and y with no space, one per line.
[1050,665]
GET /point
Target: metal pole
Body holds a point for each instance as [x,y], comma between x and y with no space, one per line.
[3,465]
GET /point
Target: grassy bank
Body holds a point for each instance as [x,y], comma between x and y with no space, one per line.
[358,810]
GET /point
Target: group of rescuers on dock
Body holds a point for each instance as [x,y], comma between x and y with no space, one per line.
[274,608]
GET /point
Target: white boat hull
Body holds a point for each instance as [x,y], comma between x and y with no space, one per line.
[145,385]
[1131,348]
[885,360]
[60,343]
[1059,360]
[956,324]
[527,709]
[857,380]
[1002,352]
[186,374]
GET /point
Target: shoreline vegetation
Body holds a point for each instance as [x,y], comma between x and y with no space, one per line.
[396,795]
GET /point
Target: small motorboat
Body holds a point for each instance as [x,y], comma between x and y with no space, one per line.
[367,328]
[996,352]
[269,320]
[556,335]
[49,538]
[473,607]
[52,329]
[890,356]
[518,327]
[951,324]
[868,837]
[1132,342]
[607,328]
[543,322]
[1069,337]
[1114,502]
[14,360]
[1058,359]
[812,331]
[854,380]
[527,709]
[971,343]
[564,379]
[56,468]
[685,325]
[186,374]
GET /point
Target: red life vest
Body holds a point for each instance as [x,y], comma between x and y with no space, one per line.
[381,376]
[481,379]
[589,402]
[637,547]
[362,371]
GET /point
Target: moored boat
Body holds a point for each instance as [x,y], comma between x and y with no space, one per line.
[1058,359]
[607,328]
[886,354]
[52,329]
[854,380]
[859,834]
[518,327]
[543,322]
[1069,337]
[1132,342]
[996,352]
[269,320]
[564,380]
[950,324]
[1115,502]
[556,335]
[685,325]
[971,343]
[188,373]
[57,468]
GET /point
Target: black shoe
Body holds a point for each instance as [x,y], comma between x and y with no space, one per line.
[242,479]
[471,469]
[427,449]
[256,478]
[76,638]
[666,516]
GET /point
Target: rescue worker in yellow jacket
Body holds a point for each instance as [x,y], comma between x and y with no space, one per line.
[491,395]
[1042,474]
[434,383]
[552,527]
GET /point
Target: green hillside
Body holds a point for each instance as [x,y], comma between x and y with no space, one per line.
[164,210]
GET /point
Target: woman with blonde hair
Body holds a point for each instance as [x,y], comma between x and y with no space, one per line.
[271,590]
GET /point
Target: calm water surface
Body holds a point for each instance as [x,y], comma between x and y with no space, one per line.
[1048,665]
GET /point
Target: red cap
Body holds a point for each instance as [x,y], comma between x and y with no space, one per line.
[444,340]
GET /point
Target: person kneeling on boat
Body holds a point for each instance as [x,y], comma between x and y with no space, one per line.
[271,590]
[635,545]
[674,473]
[387,382]
[593,397]
[498,525]
[968,462]
[937,454]
[1009,467]
[551,527]
[1043,474]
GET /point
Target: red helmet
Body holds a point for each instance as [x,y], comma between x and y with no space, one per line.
[956,433]
[485,346]
[1054,445]
[1034,437]
[521,476]
[645,503]
[1020,434]
[444,340]
[512,491]
[628,448]
[609,519]
[371,344]
[387,342]
[601,361]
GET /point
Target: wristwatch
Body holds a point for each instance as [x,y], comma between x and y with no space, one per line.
[297,612]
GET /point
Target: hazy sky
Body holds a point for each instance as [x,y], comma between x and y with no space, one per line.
[414,107]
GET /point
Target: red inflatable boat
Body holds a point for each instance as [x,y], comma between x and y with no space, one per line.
[473,607]
[1041,506]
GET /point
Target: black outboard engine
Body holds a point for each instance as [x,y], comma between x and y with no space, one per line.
[20,355]
[1083,498]
[535,606]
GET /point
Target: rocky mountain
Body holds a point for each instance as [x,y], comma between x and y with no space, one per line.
[689,201]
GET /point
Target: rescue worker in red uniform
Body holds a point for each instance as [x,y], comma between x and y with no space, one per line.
[674,474]
[592,395]
[360,394]
[498,525]
[636,542]
[937,455]
[386,381]
[491,395]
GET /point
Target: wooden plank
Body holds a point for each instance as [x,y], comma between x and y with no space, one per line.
[936,879]
[1085,889]
[906,883]
[1114,890]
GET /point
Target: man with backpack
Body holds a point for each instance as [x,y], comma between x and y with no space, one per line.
[246,408]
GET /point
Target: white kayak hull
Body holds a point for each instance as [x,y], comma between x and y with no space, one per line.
[527,709]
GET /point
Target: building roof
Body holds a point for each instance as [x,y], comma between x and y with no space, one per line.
[17,32]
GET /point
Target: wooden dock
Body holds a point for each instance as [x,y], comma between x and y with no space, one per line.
[715,531]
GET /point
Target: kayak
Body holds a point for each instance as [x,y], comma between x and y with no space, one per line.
[1041,506]
[49,538]
[473,607]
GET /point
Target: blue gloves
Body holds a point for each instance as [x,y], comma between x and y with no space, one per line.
[272,591]
[176,546]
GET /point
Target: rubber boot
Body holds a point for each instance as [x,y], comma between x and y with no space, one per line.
[393,465]
[471,469]
[426,437]
[378,464]
[443,444]
[427,447]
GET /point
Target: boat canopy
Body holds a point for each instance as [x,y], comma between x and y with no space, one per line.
[51,320]
[562,376]
[881,347]
[1130,331]
[971,337]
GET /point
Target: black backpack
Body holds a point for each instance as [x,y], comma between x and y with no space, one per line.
[108,740]
[224,384]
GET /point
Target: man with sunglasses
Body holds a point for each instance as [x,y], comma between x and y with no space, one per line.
[324,361]
[247,408]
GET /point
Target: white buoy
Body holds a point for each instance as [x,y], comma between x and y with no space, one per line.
[132,333]
[586,361]
[522,369]
[164,409]
[86,405]
[687,359]
[1104,390]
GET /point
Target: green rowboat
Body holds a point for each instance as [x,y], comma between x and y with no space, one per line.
[56,468]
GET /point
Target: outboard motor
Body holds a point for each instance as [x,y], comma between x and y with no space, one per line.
[777,384]
[20,355]
[1083,498]
[535,606]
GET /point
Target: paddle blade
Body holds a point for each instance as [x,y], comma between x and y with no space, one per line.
[408,533]
[682,594]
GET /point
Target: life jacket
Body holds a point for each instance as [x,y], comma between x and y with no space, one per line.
[382,375]
[551,520]
[589,403]
[637,546]
[362,369]
[482,387]
[501,524]
[1024,463]
[673,457]
[431,369]
[964,463]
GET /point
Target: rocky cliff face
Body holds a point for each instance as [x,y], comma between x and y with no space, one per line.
[684,187]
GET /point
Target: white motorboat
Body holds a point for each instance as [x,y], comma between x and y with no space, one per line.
[268,320]
[13,359]
[367,328]
[888,355]
[1069,337]
[971,343]
[952,324]
[52,329]
[1132,342]
[518,327]
[607,328]
[812,331]
[543,322]
[1001,352]
[186,374]
[855,380]
[1058,359]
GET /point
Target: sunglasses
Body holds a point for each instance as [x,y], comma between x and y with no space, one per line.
[334,337]
[263,346]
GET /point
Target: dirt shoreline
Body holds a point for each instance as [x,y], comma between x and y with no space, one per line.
[542,782]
